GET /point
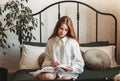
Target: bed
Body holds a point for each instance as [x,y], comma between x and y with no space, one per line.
[96,31]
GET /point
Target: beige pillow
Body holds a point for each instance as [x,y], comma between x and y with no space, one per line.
[30,55]
[109,50]
[96,59]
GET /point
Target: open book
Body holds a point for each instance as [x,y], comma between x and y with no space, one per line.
[58,69]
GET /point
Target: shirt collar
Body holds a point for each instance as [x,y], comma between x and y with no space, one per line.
[64,39]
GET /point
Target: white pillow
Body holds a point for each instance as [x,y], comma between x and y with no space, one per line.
[30,55]
[109,50]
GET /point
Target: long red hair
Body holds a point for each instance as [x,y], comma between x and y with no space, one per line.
[64,20]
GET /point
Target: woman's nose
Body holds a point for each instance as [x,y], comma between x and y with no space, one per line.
[63,31]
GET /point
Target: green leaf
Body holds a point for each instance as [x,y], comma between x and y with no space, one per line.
[8,46]
[26,0]
[34,38]
[13,44]
[8,16]
[12,30]
[4,41]
[16,13]
[4,53]
[0,23]
[22,6]
[4,35]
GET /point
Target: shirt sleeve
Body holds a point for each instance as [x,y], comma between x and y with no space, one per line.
[78,62]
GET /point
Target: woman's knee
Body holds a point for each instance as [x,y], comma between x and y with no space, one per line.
[65,78]
[46,76]
[117,77]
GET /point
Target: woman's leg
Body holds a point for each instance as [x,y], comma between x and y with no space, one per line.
[117,77]
[46,76]
[64,78]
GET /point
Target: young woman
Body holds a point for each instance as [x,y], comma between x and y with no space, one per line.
[63,49]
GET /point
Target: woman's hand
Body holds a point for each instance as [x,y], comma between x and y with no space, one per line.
[54,63]
[68,69]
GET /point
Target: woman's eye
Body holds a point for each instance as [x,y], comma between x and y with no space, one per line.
[66,30]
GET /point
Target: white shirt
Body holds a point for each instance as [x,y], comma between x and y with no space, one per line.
[65,51]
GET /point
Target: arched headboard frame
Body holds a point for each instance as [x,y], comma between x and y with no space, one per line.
[78,3]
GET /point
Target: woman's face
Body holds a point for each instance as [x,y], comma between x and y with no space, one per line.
[62,30]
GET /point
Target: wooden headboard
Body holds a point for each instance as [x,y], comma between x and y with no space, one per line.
[79,12]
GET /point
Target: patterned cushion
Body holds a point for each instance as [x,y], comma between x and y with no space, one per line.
[96,59]
[41,59]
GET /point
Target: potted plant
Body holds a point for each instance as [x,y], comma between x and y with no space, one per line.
[14,16]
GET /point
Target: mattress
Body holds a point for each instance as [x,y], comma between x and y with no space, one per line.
[87,75]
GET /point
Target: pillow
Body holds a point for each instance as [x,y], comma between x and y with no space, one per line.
[109,50]
[96,59]
[30,55]
[41,59]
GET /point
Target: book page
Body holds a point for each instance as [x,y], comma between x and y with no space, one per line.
[58,69]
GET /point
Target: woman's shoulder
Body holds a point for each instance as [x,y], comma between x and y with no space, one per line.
[71,40]
[52,40]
